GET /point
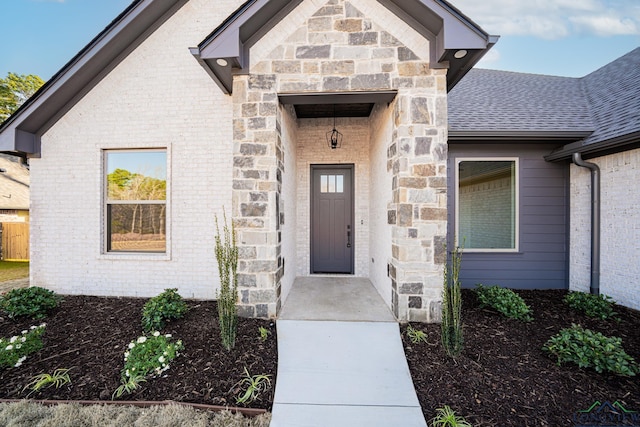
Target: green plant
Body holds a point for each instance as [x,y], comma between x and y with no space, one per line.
[14,350]
[451,326]
[253,386]
[446,417]
[597,306]
[589,349]
[147,357]
[504,301]
[33,302]
[162,308]
[128,386]
[264,333]
[416,335]
[59,378]
[227,257]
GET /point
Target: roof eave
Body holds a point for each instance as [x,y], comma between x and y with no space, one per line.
[614,145]
[502,136]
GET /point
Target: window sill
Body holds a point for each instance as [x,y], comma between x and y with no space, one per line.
[135,256]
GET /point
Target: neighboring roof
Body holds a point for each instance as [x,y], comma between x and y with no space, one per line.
[14,183]
[21,132]
[595,114]
[226,49]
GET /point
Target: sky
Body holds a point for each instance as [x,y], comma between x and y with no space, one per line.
[558,37]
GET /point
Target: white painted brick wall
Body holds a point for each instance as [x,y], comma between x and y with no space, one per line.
[620,228]
[159,96]
[312,149]
[290,202]
[380,196]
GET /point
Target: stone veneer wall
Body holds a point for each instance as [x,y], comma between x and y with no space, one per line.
[340,49]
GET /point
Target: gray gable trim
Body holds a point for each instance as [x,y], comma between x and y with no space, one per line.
[22,131]
[226,49]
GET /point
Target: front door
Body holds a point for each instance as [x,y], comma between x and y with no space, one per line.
[332,219]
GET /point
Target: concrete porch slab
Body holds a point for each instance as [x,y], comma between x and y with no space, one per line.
[335,298]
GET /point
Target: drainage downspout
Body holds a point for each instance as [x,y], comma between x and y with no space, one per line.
[595,221]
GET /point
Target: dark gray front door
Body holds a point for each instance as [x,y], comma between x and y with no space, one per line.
[332,219]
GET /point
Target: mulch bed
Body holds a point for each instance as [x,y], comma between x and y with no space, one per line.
[503,378]
[90,334]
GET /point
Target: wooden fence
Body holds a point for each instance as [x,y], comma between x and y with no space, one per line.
[15,241]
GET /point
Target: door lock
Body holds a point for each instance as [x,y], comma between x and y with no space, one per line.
[348,236]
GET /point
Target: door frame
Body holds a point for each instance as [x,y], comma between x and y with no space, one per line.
[351,168]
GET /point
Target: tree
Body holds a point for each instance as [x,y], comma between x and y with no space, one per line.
[15,89]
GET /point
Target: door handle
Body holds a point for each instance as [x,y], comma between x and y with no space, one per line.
[348,236]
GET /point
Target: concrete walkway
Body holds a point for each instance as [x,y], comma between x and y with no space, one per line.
[340,364]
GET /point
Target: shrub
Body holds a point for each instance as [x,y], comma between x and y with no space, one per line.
[14,350]
[227,257]
[504,301]
[162,308]
[451,326]
[589,349]
[33,302]
[147,357]
[597,306]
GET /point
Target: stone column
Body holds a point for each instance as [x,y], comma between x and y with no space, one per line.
[257,181]
[418,215]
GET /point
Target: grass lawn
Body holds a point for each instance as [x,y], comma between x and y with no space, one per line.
[10,270]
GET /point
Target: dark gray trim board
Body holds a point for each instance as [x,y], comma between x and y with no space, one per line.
[542,260]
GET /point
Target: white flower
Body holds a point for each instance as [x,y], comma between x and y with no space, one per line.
[161,359]
[156,334]
[25,332]
[13,339]
[9,347]
[18,346]
[168,335]
[23,339]
[127,373]
[43,325]
[131,345]
[32,327]
[141,340]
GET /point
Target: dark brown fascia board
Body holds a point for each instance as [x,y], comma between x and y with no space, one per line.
[506,136]
[337,97]
[22,131]
[232,39]
[626,142]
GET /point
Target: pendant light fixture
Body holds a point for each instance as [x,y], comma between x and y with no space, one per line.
[334,138]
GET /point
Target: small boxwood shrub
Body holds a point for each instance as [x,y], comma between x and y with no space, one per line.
[589,349]
[33,302]
[162,308]
[596,306]
[504,301]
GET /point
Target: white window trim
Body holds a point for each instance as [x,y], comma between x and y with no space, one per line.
[131,256]
[516,161]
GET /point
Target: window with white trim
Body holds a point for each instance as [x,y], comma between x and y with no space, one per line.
[136,200]
[487,204]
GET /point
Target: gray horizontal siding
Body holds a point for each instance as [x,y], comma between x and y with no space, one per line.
[541,262]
